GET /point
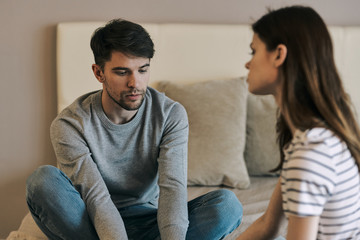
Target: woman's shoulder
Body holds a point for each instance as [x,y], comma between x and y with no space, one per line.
[317,145]
[314,135]
[318,137]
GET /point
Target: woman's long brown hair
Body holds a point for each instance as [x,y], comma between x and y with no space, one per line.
[312,91]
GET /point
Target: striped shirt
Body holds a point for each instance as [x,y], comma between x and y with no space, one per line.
[320,178]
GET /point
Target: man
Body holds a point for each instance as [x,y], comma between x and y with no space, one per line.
[122,157]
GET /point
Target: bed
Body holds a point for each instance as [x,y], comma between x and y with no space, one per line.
[232,142]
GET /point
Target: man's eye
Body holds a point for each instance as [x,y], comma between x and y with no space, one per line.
[252,52]
[143,70]
[121,73]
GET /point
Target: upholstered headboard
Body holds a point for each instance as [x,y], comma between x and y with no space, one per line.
[187,53]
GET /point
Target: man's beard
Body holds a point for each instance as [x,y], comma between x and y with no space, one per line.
[130,106]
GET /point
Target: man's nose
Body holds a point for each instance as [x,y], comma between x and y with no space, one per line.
[133,81]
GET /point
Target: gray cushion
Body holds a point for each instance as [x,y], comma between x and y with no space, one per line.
[261,151]
[217,121]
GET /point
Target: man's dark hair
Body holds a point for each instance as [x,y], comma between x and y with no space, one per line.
[122,36]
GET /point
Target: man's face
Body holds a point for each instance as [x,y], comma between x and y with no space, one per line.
[125,80]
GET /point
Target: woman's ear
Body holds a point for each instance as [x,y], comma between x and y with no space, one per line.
[281,53]
[98,73]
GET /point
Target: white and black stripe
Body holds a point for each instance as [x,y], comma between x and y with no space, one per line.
[320,178]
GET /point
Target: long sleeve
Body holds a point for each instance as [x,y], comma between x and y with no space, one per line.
[75,160]
[172,212]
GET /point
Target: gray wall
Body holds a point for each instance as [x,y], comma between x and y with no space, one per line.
[27,69]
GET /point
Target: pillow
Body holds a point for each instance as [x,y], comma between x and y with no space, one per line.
[261,150]
[217,120]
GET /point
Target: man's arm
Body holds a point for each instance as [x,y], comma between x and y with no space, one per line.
[74,159]
[172,212]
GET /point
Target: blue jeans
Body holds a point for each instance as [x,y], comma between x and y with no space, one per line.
[60,212]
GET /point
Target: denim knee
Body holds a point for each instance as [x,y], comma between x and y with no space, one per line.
[41,181]
[214,215]
[232,209]
[231,203]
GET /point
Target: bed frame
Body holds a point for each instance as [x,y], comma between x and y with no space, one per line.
[188,53]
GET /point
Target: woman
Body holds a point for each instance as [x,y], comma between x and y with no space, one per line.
[319,187]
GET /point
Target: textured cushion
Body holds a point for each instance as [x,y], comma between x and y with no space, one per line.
[217,120]
[261,151]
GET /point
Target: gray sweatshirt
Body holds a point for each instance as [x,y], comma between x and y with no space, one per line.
[115,166]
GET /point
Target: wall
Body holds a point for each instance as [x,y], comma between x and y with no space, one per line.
[27,69]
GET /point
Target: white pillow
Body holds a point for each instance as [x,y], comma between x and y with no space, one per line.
[217,120]
[262,153]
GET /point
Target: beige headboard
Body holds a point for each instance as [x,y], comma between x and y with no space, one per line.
[187,53]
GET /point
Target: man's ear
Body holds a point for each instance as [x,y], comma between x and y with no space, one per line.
[98,73]
[281,53]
